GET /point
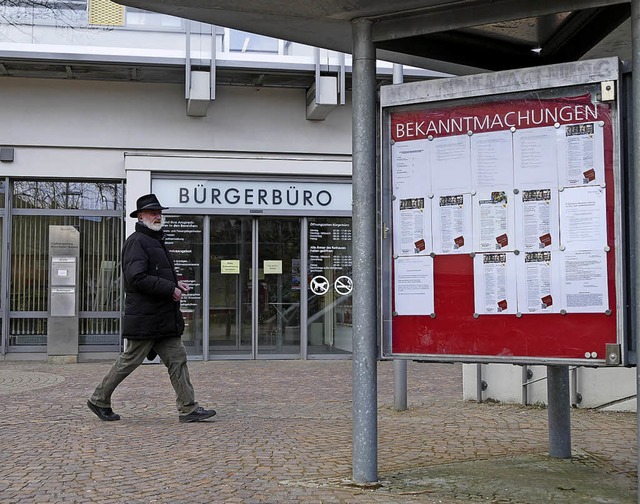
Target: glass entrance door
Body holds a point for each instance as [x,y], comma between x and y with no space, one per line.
[261,321]
[279,286]
[230,286]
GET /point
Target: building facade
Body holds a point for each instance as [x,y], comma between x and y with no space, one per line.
[247,139]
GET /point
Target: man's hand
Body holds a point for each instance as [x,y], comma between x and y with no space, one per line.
[181,288]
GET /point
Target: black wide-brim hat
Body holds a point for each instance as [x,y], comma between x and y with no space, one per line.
[147,202]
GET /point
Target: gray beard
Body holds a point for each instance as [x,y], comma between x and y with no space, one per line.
[153,226]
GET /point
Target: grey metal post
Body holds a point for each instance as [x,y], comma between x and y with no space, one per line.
[399,365]
[365,327]
[400,384]
[635,76]
[559,411]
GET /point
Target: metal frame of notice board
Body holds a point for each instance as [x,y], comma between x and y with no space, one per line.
[501,198]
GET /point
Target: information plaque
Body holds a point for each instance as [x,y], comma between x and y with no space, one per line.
[501,193]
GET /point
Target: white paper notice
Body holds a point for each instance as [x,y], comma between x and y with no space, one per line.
[583,219]
[451,164]
[581,155]
[535,157]
[493,221]
[492,160]
[412,226]
[413,285]
[585,281]
[538,282]
[537,220]
[410,164]
[452,224]
[494,282]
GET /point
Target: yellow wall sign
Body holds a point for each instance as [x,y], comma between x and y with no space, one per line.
[230,267]
[272,267]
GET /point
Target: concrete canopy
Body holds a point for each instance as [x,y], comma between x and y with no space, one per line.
[456,36]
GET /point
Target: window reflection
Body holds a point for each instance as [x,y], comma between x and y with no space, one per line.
[68,195]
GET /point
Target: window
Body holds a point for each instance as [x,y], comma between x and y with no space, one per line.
[240,41]
[142,18]
[97,213]
[68,195]
[47,12]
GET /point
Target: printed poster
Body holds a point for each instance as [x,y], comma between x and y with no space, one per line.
[581,155]
[410,168]
[583,218]
[491,160]
[493,221]
[451,164]
[452,224]
[412,226]
[584,274]
[535,155]
[413,285]
[538,282]
[537,220]
[494,278]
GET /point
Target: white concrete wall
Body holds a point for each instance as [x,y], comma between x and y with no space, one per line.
[125,116]
[82,129]
[603,388]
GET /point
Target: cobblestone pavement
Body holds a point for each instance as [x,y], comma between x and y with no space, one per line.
[283,434]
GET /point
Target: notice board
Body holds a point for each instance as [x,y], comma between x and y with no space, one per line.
[502,197]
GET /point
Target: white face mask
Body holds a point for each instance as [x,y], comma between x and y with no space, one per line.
[152,221]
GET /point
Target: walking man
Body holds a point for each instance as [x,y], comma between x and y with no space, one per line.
[153,322]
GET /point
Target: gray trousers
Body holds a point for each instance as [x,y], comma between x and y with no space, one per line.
[173,355]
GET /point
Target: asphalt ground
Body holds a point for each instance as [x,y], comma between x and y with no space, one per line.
[283,434]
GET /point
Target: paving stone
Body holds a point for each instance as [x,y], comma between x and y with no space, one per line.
[283,434]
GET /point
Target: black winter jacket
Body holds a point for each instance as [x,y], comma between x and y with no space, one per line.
[149,283]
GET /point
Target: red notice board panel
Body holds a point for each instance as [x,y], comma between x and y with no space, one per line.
[454,330]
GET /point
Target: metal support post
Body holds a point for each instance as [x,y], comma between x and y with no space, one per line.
[365,327]
[635,196]
[399,365]
[559,411]
[400,384]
